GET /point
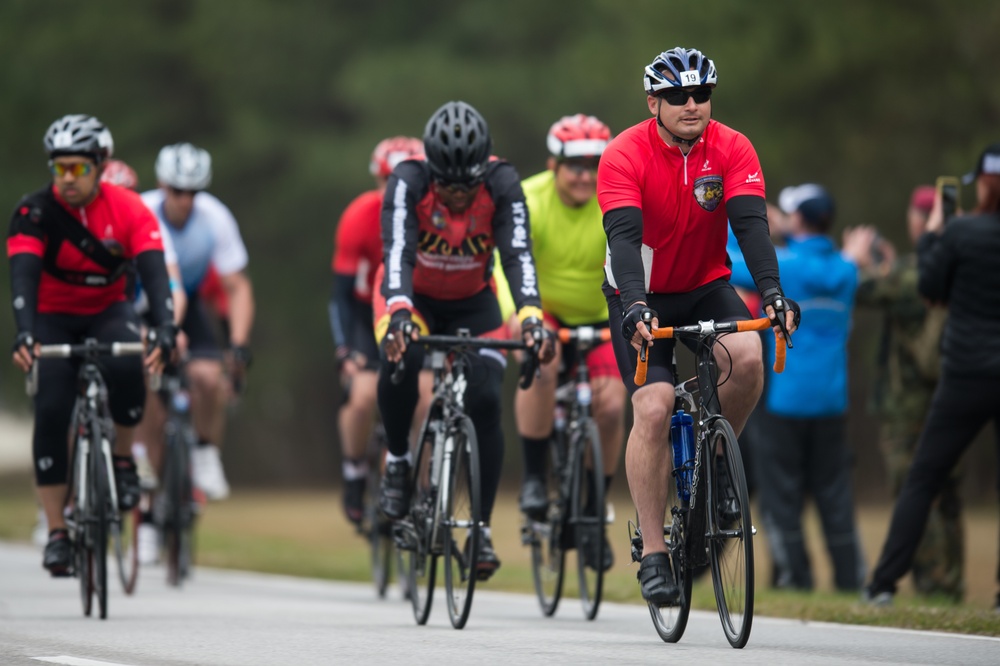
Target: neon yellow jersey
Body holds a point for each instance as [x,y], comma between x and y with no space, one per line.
[569,246]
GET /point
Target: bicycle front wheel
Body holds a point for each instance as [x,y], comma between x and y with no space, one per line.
[177,505]
[100,516]
[548,552]
[462,522]
[378,529]
[731,536]
[124,539]
[588,516]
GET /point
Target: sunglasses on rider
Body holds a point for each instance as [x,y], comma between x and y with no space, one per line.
[78,169]
[455,188]
[178,192]
[580,167]
[680,96]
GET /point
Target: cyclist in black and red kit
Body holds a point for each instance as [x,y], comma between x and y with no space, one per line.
[70,246]
[666,187]
[441,219]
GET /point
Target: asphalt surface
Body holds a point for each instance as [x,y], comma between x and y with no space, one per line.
[226,617]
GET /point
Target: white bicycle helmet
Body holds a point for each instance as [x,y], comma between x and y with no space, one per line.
[679,68]
[184,166]
[79,134]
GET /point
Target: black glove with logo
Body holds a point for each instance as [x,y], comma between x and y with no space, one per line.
[164,338]
[631,317]
[24,339]
[781,304]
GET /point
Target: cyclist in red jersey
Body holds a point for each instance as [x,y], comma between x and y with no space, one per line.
[357,255]
[441,219]
[666,187]
[65,288]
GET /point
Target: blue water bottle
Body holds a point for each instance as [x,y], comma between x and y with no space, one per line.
[682,439]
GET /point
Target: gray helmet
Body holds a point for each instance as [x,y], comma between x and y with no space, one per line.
[686,67]
[79,134]
[457,144]
[184,166]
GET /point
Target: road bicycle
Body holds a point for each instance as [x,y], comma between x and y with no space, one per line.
[708,508]
[445,517]
[92,497]
[576,517]
[175,507]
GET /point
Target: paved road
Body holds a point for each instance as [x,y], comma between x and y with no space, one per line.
[224,617]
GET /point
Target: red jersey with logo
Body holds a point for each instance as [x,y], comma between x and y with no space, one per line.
[358,243]
[118,218]
[682,198]
[448,256]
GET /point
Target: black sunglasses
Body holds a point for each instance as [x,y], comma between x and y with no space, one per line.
[178,192]
[453,188]
[680,96]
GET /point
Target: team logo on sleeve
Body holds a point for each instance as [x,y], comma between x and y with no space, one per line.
[708,192]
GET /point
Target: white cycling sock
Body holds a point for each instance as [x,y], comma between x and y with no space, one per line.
[389,457]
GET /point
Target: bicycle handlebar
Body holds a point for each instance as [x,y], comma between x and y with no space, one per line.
[458,341]
[706,329]
[98,348]
[584,334]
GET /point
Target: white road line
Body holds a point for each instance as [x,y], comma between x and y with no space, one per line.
[76,661]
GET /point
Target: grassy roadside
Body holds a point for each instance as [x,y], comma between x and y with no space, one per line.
[304,534]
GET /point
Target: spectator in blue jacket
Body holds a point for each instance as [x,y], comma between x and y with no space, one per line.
[806,449]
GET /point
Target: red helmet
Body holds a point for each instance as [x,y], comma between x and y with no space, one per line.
[117,172]
[390,152]
[578,136]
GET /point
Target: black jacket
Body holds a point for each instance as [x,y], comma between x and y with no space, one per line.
[961,268]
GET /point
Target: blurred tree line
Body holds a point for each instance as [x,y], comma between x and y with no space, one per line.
[290,97]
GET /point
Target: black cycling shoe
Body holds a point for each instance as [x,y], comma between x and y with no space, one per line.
[534,499]
[354,499]
[126,482]
[58,557]
[394,494]
[589,552]
[488,561]
[656,580]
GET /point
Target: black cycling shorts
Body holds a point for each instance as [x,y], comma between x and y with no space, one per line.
[716,300]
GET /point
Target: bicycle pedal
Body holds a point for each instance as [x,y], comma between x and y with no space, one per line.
[404,536]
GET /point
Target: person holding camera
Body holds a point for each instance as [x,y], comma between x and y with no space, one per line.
[956,266]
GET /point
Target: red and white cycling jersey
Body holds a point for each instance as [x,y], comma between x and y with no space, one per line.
[447,256]
[358,250]
[684,222]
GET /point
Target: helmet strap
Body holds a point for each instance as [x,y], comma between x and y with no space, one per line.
[674,137]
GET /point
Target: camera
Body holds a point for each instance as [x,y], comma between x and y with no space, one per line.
[947,187]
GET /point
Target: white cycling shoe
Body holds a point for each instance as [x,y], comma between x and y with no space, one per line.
[148,544]
[206,463]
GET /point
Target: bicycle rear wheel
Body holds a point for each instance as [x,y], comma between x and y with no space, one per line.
[731,540]
[588,515]
[377,528]
[548,553]
[177,513]
[671,621]
[462,522]
[422,557]
[124,538]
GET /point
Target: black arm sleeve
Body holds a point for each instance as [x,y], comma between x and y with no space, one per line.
[406,187]
[512,234]
[935,266]
[25,274]
[156,282]
[748,218]
[623,227]
[341,310]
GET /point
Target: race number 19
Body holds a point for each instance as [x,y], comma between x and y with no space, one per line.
[690,78]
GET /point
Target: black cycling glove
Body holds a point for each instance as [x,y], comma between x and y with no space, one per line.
[636,313]
[24,339]
[781,304]
[164,338]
